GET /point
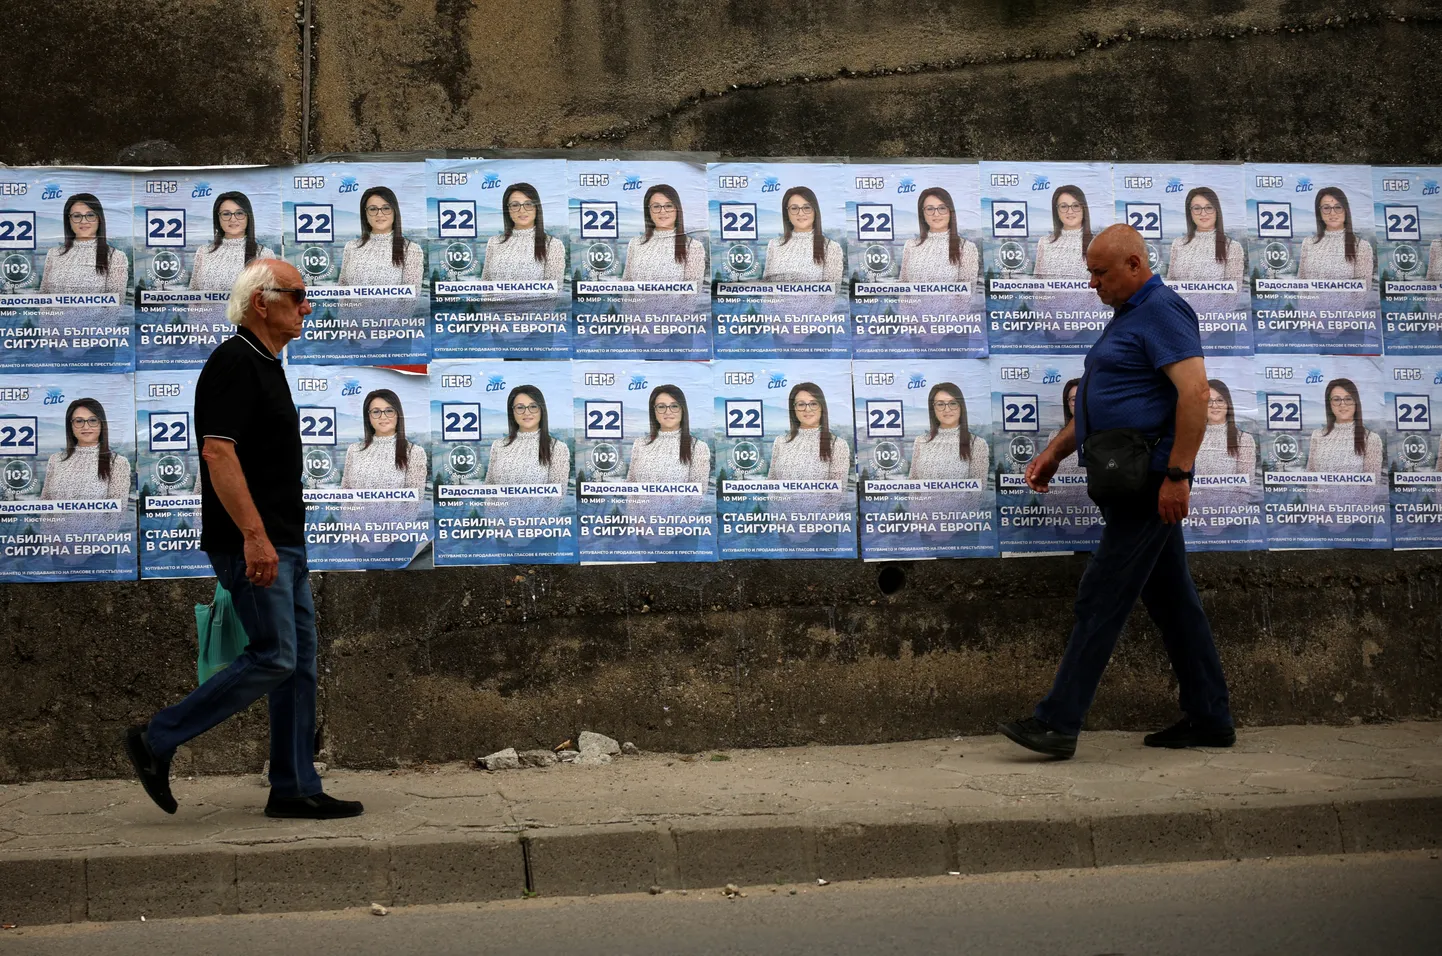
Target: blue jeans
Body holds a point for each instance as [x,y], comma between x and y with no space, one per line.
[279,661]
[1139,556]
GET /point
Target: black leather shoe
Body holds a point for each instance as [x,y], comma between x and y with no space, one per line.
[1035,735]
[1184,733]
[319,807]
[154,773]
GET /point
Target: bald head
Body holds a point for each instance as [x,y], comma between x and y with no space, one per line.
[1117,261]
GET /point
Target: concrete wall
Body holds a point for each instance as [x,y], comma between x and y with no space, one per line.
[449,664]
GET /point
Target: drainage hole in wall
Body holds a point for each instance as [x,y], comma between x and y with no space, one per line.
[891,579]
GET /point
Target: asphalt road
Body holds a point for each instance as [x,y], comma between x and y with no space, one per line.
[1388,904]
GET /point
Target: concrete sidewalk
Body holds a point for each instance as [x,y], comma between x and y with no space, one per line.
[99,850]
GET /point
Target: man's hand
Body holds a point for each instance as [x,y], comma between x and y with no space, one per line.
[1173,500]
[261,562]
[1040,469]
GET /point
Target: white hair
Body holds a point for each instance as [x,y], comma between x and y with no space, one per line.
[259,275]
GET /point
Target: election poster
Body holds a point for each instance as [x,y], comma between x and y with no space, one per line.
[1312,259]
[501,446]
[66,303]
[1408,218]
[366,434]
[167,471]
[923,451]
[778,235]
[786,483]
[356,232]
[644,441]
[499,280]
[640,264]
[67,453]
[195,230]
[1038,221]
[1324,436]
[1412,397]
[915,234]
[1226,500]
[1033,397]
[1192,218]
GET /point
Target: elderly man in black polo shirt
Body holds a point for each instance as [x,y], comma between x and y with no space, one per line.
[253,531]
[1145,373]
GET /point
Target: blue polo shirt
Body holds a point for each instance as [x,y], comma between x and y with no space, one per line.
[1123,385]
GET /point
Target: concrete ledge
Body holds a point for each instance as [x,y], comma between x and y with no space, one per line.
[113,883]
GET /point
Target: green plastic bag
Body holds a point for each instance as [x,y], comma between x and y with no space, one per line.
[221,635]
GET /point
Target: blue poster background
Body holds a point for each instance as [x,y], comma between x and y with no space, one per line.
[518,307]
[181,283]
[1408,218]
[368,309]
[631,298]
[1328,304]
[58,313]
[1226,502]
[168,475]
[47,532]
[1155,199]
[771,509]
[349,526]
[771,298]
[1030,398]
[633,506]
[1412,399]
[1319,492]
[908,297]
[919,497]
[487,512]
[1038,295]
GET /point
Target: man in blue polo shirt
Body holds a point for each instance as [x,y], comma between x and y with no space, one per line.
[1144,373]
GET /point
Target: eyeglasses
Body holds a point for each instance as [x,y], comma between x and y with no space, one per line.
[1333,207]
[233,214]
[935,210]
[1069,207]
[946,406]
[379,210]
[83,217]
[1342,400]
[1216,403]
[663,207]
[296,295]
[806,406]
[520,206]
[1203,210]
[667,407]
[85,422]
[383,413]
[799,210]
[526,409]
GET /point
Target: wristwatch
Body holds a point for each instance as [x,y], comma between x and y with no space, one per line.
[1176,474]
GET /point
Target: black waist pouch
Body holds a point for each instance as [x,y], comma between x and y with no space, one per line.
[1117,463]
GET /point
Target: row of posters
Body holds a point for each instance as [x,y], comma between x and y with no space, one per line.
[632,258]
[500,462]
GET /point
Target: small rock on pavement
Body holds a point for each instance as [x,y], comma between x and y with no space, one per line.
[630,749]
[506,759]
[592,760]
[379,910]
[592,744]
[568,756]
[655,890]
[537,758]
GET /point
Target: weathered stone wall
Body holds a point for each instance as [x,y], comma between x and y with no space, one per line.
[451,663]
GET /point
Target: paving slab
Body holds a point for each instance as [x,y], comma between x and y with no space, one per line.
[99,849]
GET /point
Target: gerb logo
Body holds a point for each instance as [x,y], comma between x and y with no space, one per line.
[492,181]
[1269,182]
[54,396]
[1015,373]
[1040,184]
[164,389]
[1314,376]
[200,191]
[312,384]
[739,378]
[778,380]
[917,381]
[14,394]
[351,387]
[600,378]
[1304,185]
[161,185]
[308,182]
[452,179]
[595,179]
[879,378]
[496,383]
[907,185]
[14,189]
[349,184]
[52,191]
[1050,377]
[771,185]
[1005,179]
[632,182]
[1174,185]
[1407,374]
[1277,371]
[638,383]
